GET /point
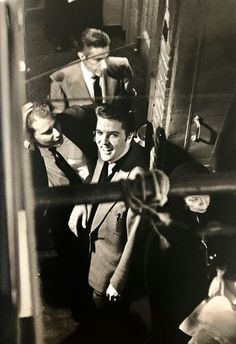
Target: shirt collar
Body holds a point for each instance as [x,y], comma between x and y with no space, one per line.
[86,73]
[115,166]
[47,150]
[110,168]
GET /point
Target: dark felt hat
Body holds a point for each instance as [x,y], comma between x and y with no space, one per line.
[189,168]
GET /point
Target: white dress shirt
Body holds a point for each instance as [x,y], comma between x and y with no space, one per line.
[74,157]
[110,168]
[88,78]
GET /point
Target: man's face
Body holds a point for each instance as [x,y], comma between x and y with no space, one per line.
[95,59]
[47,132]
[111,139]
[198,203]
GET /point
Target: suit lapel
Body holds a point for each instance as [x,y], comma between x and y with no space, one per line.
[95,179]
[103,208]
[78,83]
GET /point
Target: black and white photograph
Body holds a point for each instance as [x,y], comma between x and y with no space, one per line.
[118,171]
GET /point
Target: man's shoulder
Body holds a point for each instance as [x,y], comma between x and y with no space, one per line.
[69,70]
[118,67]
[69,149]
[134,158]
[137,155]
[38,168]
[114,62]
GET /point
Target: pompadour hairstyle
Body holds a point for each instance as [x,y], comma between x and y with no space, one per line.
[94,38]
[119,112]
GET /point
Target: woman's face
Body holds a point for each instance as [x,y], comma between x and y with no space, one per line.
[198,203]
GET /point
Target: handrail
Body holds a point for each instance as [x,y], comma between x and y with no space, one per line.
[215,183]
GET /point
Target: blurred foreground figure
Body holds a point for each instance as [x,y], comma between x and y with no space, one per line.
[214,320]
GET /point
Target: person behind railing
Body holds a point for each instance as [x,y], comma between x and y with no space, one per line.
[180,268]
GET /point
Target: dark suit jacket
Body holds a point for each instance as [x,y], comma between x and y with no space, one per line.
[113,231]
[78,123]
[69,88]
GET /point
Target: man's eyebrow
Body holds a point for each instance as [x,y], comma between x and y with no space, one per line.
[47,131]
[108,132]
[98,56]
[49,128]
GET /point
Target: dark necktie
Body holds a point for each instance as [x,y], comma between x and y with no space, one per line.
[97,90]
[63,165]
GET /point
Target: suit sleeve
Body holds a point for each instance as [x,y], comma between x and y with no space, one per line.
[129,79]
[57,96]
[132,225]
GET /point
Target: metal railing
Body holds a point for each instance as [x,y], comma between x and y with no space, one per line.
[215,183]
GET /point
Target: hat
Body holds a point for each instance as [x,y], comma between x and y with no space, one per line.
[189,168]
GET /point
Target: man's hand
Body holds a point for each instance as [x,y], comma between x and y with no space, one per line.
[79,211]
[112,294]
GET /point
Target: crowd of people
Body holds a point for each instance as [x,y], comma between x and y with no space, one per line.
[110,252]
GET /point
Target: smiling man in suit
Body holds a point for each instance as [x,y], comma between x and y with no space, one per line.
[112,225]
[96,78]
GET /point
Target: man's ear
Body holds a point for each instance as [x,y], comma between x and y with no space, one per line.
[81,56]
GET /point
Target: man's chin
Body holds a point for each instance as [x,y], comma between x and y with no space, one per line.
[58,143]
[199,211]
[202,211]
[105,157]
[100,74]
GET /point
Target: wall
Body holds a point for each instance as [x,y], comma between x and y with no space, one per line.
[134,9]
[112,12]
[205,75]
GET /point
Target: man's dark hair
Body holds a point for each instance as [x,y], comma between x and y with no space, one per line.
[38,111]
[119,112]
[94,38]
